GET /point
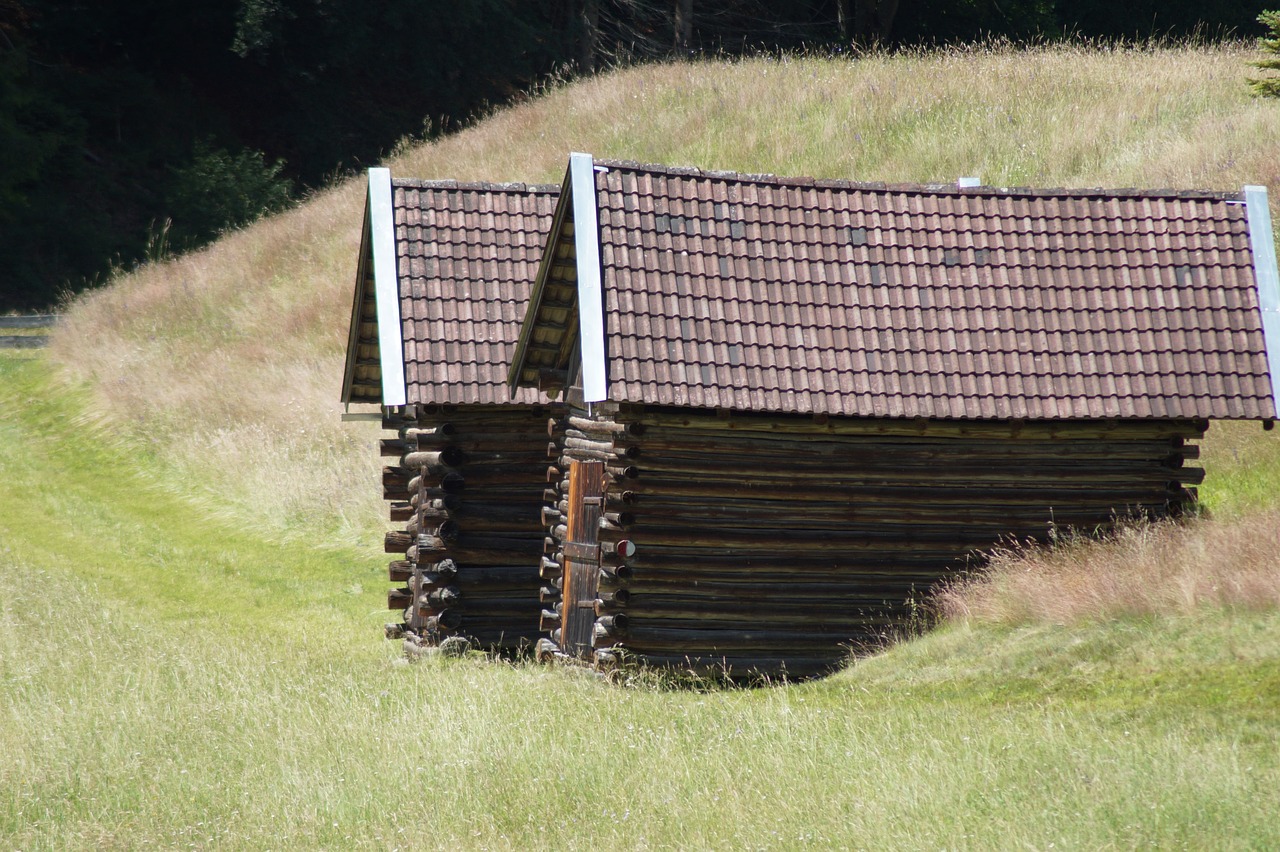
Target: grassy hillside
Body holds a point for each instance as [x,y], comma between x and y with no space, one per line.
[191,588]
[226,364]
[171,679]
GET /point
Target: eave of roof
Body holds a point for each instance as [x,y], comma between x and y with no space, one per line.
[377,264]
[523,373]
[1261,239]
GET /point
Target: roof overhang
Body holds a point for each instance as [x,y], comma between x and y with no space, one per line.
[378,264]
[1262,241]
[576,218]
[586,239]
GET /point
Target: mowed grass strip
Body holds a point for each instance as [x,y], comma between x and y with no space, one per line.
[167,679]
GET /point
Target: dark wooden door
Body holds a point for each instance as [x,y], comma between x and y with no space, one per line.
[582,556]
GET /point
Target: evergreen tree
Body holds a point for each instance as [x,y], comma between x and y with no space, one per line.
[1268,87]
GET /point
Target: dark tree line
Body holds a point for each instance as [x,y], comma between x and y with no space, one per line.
[134,127]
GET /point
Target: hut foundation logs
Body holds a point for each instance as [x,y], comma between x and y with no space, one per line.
[771,544]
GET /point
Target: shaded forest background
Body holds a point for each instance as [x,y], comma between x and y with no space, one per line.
[133,128]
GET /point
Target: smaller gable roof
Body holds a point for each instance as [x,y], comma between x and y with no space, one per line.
[465,257]
[760,293]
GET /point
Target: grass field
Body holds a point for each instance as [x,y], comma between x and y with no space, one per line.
[169,679]
[191,591]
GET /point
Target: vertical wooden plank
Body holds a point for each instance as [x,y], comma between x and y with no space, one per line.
[581,575]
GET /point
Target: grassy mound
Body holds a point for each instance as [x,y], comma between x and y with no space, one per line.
[169,678]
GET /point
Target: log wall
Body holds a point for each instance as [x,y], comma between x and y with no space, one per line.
[776,544]
[466,485]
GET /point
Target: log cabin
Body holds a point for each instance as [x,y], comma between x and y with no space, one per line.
[443,280]
[793,405]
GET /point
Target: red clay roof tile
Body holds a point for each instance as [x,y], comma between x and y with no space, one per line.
[841,298]
[467,256]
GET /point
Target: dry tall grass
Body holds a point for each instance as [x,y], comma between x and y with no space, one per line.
[228,362]
[1158,568]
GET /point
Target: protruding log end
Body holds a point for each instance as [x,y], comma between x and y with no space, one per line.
[614,575]
[454,646]
[399,570]
[428,434]
[448,620]
[545,651]
[445,597]
[390,448]
[548,621]
[622,548]
[445,569]
[397,541]
[399,599]
[608,629]
[613,598]
[448,531]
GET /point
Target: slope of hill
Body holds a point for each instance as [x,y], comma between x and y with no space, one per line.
[169,678]
[172,674]
[226,363]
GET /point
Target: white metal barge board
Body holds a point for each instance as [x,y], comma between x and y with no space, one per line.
[386,286]
[586,244]
[1263,242]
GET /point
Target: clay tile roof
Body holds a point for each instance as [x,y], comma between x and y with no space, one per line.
[466,255]
[763,293]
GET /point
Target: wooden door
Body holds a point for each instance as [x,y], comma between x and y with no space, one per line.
[582,557]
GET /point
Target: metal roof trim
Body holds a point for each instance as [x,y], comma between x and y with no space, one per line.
[1262,241]
[386,286]
[586,243]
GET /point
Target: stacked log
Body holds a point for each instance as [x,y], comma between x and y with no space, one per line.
[769,545]
[466,484]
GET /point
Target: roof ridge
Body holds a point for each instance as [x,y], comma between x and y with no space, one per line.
[923,188]
[475,186]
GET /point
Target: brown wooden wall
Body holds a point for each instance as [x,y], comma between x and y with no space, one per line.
[775,543]
[468,486]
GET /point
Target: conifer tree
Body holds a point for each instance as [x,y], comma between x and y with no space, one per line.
[1268,87]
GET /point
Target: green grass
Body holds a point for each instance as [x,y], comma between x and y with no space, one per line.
[191,594]
[1242,469]
[168,678]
